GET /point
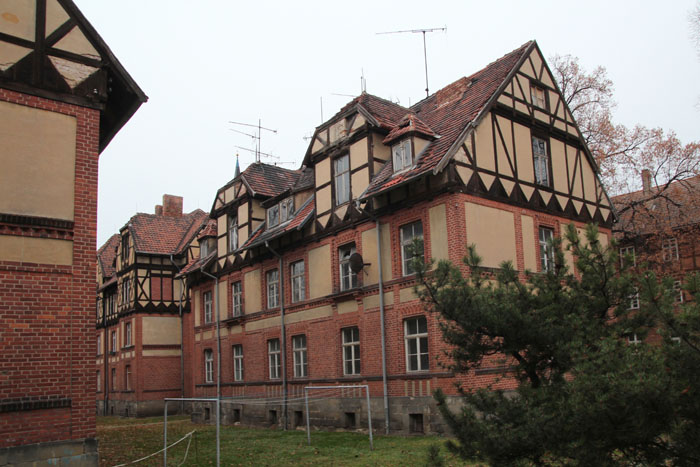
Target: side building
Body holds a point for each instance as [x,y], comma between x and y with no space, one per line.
[63,97]
[140,305]
[310,279]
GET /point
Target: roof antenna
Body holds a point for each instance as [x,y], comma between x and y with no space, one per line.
[363,81]
[425,52]
[256,137]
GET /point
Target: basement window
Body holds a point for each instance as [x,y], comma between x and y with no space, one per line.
[415,423]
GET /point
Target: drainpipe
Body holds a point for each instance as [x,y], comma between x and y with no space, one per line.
[218,364]
[182,339]
[105,356]
[381,317]
[284,334]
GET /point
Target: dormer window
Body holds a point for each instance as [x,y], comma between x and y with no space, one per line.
[280,212]
[402,156]
[204,249]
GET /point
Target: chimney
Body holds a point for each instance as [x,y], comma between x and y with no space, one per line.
[159,210]
[172,206]
[646,181]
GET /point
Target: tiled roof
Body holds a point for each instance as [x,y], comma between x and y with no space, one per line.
[269,180]
[663,207]
[409,124]
[305,180]
[301,217]
[209,230]
[106,255]
[195,264]
[447,113]
[164,235]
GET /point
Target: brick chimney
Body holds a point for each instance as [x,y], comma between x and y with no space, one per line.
[159,210]
[646,181]
[172,206]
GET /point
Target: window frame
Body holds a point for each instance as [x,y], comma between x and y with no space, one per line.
[127,334]
[99,344]
[678,289]
[634,300]
[418,337]
[207,307]
[300,356]
[232,234]
[99,381]
[237,299]
[544,158]
[297,279]
[352,346]
[127,377]
[341,180]
[535,100]
[273,296]
[273,359]
[237,362]
[114,344]
[208,366]
[344,263]
[669,248]
[406,268]
[402,152]
[628,250]
[547,263]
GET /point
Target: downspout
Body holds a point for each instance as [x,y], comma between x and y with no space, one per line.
[284,335]
[218,363]
[381,318]
[105,356]
[182,339]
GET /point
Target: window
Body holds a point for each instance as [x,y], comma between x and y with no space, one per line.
[628,252]
[125,247]
[416,336]
[238,362]
[402,157]
[348,279]
[299,350]
[114,379]
[208,366]
[670,249]
[280,212]
[298,283]
[127,334]
[634,300]
[236,296]
[273,352]
[99,344]
[99,381]
[206,298]
[539,154]
[351,351]
[273,215]
[633,339]
[537,96]
[341,167]
[114,342]
[127,377]
[273,288]
[204,249]
[232,234]
[546,250]
[126,291]
[409,233]
[678,289]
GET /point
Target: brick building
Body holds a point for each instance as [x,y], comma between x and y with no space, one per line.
[63,97]
[309,279]
[139,309]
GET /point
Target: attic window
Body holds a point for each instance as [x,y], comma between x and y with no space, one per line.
[280,212]
[537,97]
[403,158]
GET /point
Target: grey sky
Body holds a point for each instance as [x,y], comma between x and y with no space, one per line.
[205,63]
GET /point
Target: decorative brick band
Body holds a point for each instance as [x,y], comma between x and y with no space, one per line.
[23,405]
[33,221]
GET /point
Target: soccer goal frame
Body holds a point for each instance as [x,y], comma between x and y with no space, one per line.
[369,408]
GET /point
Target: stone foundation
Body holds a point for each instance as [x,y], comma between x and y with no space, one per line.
[56,453]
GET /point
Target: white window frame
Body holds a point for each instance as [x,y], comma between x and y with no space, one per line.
[634,300]
[669,246]
[545,236]
[114,346]
[273,216]
[272,278]
[207,306]
[238,362]
[236,298]
[541,161]
[232,234]
[127,334]
[341,170]
[273,353]
[301,363]
[208,366]
[402,155]
[678,288]
[421,341]
[625,251]
[286,209]
[633,339]
[348,279]
[351,351]
[408,233]
[296,273]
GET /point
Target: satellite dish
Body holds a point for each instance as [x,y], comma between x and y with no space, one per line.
[356,262]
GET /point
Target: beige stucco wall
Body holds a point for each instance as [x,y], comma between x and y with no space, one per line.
[38,162]
[223,300]
[372,301]
[252,289]
[160,330]
[320,280]
[290,318]
[358,153]
[484,144]
[77,43]
[504,151]
[360,181]
[493,232]
[369,254]
[323,171]
[559,172]
[18,18]
[438,232]
[379,149]
[36,250]
[242,213]
[323,199]
[529,252]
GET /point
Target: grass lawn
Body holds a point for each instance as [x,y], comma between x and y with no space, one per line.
[125,440]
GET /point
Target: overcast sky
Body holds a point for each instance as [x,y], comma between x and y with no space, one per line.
[206,63]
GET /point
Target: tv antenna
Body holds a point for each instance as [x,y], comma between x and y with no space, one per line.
[256,137]
[425,52]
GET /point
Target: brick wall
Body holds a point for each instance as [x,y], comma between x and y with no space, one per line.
[47,337]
